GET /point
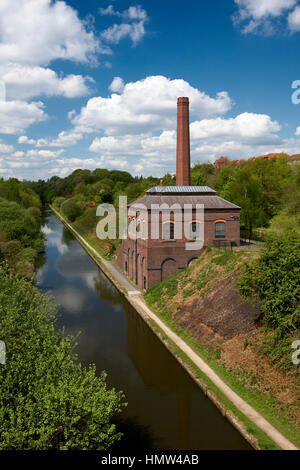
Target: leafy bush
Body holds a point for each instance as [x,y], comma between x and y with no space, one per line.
[47,400]
[88,219]
[274,281]
[35,213]
[71,210]
[10,250]
[28,254]
[39,244]
[58,201]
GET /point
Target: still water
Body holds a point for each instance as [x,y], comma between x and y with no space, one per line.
[166,410]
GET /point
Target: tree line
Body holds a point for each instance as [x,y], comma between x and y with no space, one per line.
[267,190]
[21,239]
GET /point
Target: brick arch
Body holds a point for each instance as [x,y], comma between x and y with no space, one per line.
[220,221]
[191,260]
[168,268]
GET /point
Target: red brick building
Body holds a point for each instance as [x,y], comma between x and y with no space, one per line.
[162,252]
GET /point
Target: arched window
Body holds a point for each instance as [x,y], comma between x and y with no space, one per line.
[168,231]
[195,230]
[220,229]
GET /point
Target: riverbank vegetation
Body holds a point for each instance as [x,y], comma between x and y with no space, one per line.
[21,239]
[48,400]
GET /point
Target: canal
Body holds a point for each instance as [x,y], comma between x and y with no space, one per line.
[166,409]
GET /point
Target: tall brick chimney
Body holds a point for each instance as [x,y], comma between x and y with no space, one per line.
[183,162]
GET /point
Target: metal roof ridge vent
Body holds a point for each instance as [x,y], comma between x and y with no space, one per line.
[180,189]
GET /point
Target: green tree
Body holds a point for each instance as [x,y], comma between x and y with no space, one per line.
[48,401]
[246,191]
[133,191]
[274,281]
[71,210]
[224,176]
[201,173]
[58,202]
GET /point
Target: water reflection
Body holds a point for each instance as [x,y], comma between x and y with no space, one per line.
[165,407]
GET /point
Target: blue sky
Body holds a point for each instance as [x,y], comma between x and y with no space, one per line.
[94,84]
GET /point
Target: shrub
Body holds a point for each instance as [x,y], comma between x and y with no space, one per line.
[58,201]
[38,245]
[24,269]
[28,254]
[71,210]
[88,219]
[274,281]
[35,213]
[10,250]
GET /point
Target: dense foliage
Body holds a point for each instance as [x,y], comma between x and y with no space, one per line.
[274,281]
[20,219]
[71,210]
[47,400]
[259,187]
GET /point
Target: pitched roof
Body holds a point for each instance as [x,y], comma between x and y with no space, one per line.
[210,201]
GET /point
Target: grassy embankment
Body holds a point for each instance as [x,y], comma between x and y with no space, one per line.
[239,360]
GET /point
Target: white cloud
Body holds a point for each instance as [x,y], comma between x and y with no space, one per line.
[43,154]
[38,31]
[297,131]
[246,135]
[23,139]
[33,163]
[133,12]
[4,148]
[64,139]
[147,105]
[117,32]
[16,116]
[133,25]
[25,82]
[258,15]
[294,20]
[71,114]
[247,127]
[34,33]
[109,10]
[117,85]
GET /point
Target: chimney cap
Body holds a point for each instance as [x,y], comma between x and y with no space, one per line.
[183,99]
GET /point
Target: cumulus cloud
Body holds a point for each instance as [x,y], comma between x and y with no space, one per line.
[147,105]
[117,85]
[246,135]
[37,32]
[294,20]
[246,127]
[5,148]
[25,82]
[16,116]
[33,34]
[257,16]
[132,25]
[33,163]
[64,139]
